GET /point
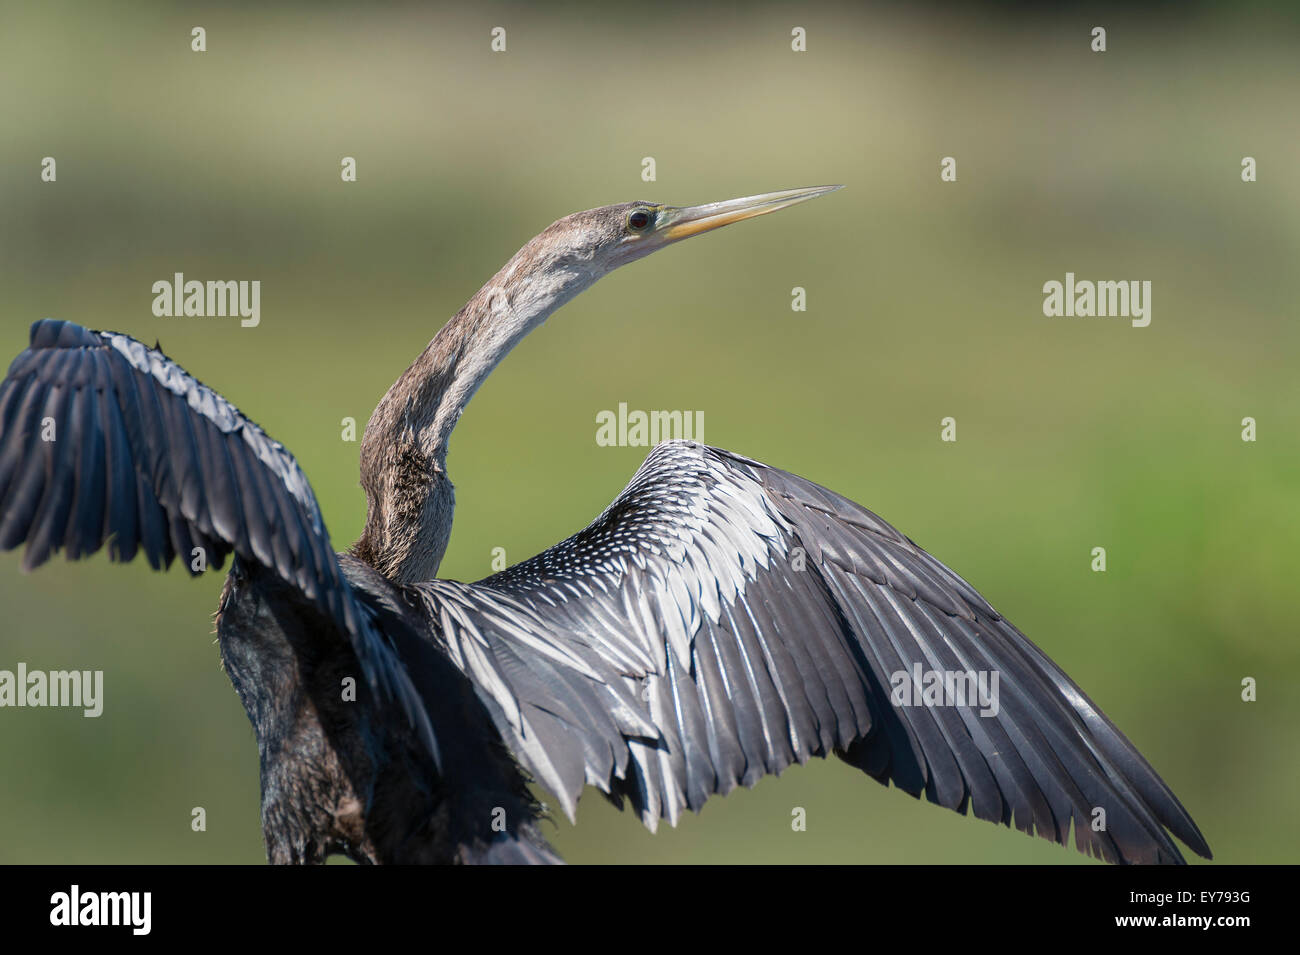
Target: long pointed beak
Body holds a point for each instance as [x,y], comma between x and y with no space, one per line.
[693,220]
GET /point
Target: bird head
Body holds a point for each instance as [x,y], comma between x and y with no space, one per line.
[576,251]
[598,241]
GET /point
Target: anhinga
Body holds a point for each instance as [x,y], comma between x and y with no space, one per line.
[721,620]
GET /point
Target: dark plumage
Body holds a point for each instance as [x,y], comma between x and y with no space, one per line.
[721,620]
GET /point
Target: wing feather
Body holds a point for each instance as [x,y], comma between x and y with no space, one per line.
[739,619]
[105,441]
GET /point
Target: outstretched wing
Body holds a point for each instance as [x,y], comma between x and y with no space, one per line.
[723,619]
[105,441]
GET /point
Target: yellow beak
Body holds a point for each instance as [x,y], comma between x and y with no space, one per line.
[693,220]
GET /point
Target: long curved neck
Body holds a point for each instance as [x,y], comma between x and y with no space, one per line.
[409,498]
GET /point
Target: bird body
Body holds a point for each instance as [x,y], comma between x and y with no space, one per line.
[721,620]
[343,773]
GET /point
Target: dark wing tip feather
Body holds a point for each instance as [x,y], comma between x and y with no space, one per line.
[1073,753]
[56,333]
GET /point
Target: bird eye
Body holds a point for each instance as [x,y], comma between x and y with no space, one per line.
[639,220]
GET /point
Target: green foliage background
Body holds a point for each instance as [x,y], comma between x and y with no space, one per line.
[924,300]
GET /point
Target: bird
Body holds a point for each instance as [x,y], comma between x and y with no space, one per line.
[720,621]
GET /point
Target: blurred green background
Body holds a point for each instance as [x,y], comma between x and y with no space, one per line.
[924,300]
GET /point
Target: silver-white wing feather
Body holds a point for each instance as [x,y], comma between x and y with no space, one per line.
[722,620]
